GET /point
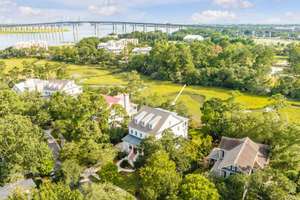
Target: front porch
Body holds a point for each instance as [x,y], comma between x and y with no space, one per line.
[130,145]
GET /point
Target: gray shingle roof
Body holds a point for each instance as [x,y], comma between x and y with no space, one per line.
[243,153]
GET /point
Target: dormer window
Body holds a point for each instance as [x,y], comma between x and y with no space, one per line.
[221,154]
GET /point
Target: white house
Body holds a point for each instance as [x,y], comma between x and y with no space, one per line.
[122,100]
[117,46]
[48,87]
[238,156]
[141,50]
[31,44]
[152,122]
[191,38]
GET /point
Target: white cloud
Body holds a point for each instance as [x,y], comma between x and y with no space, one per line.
[213,16]
[285,18]
[126,3]
[234,3]
[107,10]
[29,11]
[6,5]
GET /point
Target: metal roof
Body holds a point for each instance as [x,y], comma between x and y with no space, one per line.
[159,114]
[132,140]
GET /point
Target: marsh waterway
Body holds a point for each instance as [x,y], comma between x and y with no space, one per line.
[55,38]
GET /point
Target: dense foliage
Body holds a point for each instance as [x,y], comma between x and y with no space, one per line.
[22,149]
[198,187]
[232,64]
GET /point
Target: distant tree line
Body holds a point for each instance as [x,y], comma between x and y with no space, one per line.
[222,61]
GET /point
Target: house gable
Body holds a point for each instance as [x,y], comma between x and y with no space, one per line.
[242,155]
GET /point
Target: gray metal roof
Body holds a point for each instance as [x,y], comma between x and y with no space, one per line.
[164,115]
[8,189]
[132,140]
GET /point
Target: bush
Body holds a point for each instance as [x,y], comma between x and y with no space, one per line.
[109,173]
[117,134]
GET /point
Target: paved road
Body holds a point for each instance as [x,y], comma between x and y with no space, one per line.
[55,148]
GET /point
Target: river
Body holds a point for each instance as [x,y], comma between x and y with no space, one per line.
[55,39]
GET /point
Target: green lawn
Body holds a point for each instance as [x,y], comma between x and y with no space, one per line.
[192,97]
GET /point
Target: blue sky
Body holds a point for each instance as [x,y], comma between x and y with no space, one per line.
[173,11]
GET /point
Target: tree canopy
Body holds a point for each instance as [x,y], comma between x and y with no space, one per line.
[22,149]
[197,187]
[159,179]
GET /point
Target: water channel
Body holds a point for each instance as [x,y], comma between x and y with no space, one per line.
[57,38]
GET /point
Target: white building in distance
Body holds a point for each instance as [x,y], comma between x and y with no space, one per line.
[117,46]
[31,44]
[152,122]
[141,50]
[191,38]
[48,87]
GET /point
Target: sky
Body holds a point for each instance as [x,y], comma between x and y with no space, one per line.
[164,11]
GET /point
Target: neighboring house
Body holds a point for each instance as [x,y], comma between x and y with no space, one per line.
[238,156]
[152,122]
[141,50]
[32,44]
[191,38]
[23,186]
[117,46]
[122,100]
[48,87]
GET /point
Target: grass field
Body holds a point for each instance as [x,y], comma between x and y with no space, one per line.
[192,97]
